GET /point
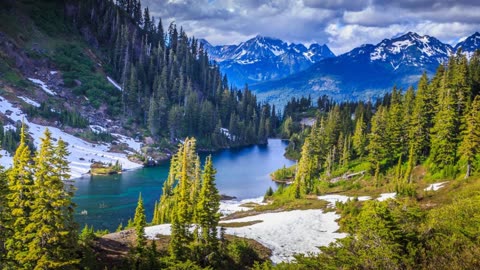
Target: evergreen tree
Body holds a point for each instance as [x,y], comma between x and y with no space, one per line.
[140,221]
[19,199]
[420,122]
[207,216]
[444,133]
[52,246]
[377,146]
[470,146]
[306,169]
[359,137]
[395,132]
[181,214]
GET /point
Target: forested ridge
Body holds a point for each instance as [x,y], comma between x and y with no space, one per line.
[114,58]
[169,85]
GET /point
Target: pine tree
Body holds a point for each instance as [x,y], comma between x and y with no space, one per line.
[306,169]
[444,133]
[153,117]
[470,146]
[20,198]
[207,216]
[345,152]
[182,214]
[420,122]
[377,146]
[53,245]
[359,137]
[395,128]
[140,221]
[410,165]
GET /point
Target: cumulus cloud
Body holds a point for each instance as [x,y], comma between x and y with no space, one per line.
[341,24]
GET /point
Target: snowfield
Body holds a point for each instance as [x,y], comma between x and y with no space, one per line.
[285,233]
[228,207]
[42,85]
[82,153]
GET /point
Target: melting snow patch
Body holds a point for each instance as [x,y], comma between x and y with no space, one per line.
[129,141]
[435,186]
[82,153]
[5,159]
[226,132]
[386,196]
[53,72]
[285,233]
[9,127]
[333,198]
[97,129]
[31,102]
[228,207]
[114,83]
[43,86]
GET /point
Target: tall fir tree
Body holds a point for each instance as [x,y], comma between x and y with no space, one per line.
[51,246]
[470,146]
[359,137]
[20,198]
[140,221]
[444,133]
[207,216]
[378,143]
[420,124]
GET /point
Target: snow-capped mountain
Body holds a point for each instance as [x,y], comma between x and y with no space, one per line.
[469,45]
[262,58]
[406,51]
[369,70]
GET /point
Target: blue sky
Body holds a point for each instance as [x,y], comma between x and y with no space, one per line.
[341,24]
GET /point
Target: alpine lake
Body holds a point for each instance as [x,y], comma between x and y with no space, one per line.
[106,201]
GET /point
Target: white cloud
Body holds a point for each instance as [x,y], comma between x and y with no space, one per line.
[341,24]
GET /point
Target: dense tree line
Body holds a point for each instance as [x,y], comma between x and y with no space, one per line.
[436,125]
[169,86]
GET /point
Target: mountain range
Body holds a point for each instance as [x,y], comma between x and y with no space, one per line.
[263,58]
[362,73]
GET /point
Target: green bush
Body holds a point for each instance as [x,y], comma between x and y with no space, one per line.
[242,253]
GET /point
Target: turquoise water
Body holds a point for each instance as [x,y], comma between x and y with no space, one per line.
[107,201]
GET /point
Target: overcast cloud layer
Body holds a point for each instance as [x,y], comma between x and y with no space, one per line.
[341,24]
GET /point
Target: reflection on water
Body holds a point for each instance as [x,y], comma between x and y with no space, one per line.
[106,201]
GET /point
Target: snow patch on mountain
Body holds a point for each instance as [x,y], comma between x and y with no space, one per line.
[114,83]
[29,101]
[82,153]
[42,85]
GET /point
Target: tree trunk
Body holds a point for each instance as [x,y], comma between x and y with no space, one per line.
[469,168]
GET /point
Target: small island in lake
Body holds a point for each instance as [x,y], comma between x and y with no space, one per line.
[284,175]
[100,168]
